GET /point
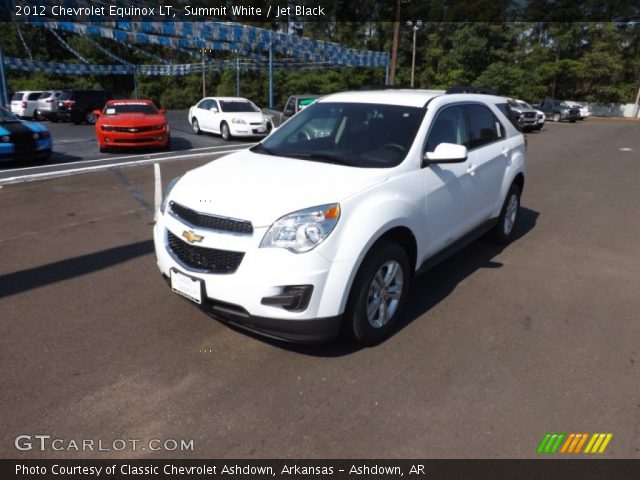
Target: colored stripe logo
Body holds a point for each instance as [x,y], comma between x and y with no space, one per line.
[574,443]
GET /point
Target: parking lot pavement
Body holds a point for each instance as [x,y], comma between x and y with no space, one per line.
[75,147]
[499,346]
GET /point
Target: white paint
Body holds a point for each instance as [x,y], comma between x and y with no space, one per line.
[626,149]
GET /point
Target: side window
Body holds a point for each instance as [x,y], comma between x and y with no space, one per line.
[448,127]
[204,104]
[484,127]
[291,105]
[510,114]
[34,96]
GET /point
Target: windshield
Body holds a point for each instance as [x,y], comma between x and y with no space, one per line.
[116,108]
[238,106]
[525,104]
[354,134]
[6,116]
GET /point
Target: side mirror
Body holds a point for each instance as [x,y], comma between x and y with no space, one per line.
[162,111]
[97,113]
[446,153]
[213,110]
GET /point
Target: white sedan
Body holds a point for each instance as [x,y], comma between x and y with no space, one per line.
[229,117]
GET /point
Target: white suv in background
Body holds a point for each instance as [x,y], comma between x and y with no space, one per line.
[25,103]
[321,226]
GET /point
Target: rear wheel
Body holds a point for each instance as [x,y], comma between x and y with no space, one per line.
[378,294]
[502,232]
[224,131]
[90,118]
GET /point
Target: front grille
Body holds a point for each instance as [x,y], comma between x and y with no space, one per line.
[133,129]
[135,140]
[203,220]
[209,260]
[530,114]
[255,123]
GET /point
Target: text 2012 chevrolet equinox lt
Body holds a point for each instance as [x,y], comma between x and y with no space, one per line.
[320,228]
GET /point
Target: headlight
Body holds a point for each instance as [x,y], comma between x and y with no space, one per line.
[239,121]
[106,128]
[565,110]
[172,183]
[5,139]
[303,230]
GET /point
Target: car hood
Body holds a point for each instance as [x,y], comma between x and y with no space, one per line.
[137,119]
[262,188]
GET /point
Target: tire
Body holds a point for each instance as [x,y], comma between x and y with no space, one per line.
[54,119]
[90,118]
[365,320]
[104,149]
[572,121]
[224,131]
[195,126]
[556,117]
[502,232]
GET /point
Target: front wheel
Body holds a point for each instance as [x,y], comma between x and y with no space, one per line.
[225,132]
[378,294]
[195,126]
[502,232]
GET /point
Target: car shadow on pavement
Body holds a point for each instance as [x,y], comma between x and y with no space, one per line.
[28,279]
[429,289]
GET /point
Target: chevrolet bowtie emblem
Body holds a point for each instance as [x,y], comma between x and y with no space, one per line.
[192,237]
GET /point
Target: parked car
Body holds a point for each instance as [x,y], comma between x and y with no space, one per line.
[540,116]
[78,106]
[25,103]
[584,110]
[47,106]
[526,116]
[302,236]
[557,110]
[229,117]
[131,124]
[294,104]
[23,140]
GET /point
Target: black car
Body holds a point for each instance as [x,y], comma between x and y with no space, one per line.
[77,106]
[558,110]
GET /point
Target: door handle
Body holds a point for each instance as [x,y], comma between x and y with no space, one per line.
[471,170]
[505,151]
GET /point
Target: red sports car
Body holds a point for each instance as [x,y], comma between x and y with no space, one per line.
[131,123]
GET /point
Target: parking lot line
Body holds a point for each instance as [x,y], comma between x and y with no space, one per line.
[96,168]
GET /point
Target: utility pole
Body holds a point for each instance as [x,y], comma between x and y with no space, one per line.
[636,110]
[3,81]
[394,45]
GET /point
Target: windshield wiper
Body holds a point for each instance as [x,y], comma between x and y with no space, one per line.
[261,148]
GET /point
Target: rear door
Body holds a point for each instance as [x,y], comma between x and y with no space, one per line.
[489,153]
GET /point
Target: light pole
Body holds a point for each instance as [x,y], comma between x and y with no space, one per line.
[415,26]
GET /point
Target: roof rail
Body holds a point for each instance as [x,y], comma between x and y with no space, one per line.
[465,89]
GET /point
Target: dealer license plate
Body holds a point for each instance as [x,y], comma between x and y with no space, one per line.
[186,286]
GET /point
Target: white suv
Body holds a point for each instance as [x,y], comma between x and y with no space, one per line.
[321,226]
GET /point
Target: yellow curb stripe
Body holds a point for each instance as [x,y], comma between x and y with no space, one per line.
[581,443]
[590,444]
[607,439]
[567,442]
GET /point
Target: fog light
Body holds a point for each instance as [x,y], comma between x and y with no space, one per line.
[106,139]
[160,138]
[294,298]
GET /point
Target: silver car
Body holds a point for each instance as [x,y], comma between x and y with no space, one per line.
[47,107]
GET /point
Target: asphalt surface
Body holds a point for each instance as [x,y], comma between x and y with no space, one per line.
[75,147]
[499,345]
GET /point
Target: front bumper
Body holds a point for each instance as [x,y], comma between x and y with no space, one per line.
[237,298]
[157,139]
[42,150]
[240,130]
